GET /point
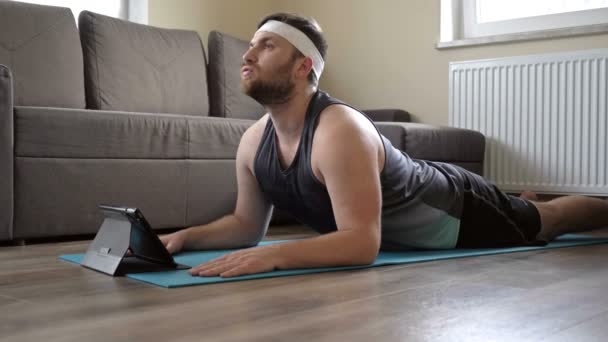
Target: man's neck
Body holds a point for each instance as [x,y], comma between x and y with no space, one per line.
[288,118]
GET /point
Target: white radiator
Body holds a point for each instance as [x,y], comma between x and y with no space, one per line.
[544,117]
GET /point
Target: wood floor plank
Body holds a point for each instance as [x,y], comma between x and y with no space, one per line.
[551,295]
[592,329]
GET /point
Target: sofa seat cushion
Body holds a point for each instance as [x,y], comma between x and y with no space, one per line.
[68,133]
[41,47]
[435,143]
[140,68]
[215,138]
[225,60]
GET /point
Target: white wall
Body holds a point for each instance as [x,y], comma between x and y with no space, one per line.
[236,17]
[381,53]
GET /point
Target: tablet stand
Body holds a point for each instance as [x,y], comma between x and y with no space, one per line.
[109,247]
[107,252]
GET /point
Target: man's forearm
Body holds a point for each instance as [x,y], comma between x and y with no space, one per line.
[227,232]
[341,248]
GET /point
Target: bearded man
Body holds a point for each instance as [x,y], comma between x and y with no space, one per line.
[326,163]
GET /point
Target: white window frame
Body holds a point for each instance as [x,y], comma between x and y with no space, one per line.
[137,11]
[459,26]
[131,10]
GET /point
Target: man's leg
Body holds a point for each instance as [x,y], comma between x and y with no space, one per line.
[571,214]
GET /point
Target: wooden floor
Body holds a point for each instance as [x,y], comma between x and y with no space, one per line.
[553,295]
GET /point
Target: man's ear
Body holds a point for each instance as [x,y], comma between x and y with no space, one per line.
[304,68]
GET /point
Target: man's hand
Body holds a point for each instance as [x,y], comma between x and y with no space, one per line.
[247,261]
[174,242]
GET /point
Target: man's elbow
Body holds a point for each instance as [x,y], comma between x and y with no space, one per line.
[250,233]
[367,251]
[252,241]
[368,257]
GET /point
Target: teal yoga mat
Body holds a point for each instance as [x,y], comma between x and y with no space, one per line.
[170,279]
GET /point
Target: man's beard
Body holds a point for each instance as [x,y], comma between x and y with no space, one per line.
[273,92]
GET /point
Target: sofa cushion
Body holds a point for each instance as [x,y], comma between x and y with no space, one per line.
[6,154]
[435,143]
[69,133]
[40,45]
[140,68]
[215,138]
[390,115]
[225,59]
[59,196]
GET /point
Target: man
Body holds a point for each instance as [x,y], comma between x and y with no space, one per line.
[326,164]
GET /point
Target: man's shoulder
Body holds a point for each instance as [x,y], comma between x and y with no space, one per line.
[345,128]
[250,142]
[340,117]
[254,132]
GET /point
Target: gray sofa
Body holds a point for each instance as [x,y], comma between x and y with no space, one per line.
[122,113]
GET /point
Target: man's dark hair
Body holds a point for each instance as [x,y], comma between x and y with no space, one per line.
[309,27]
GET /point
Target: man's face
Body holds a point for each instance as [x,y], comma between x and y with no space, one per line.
[267,71]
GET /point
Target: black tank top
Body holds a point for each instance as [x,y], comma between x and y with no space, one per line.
[417,196]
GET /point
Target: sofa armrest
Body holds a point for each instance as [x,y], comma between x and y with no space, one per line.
[437,143]
[6,154]
[390,115]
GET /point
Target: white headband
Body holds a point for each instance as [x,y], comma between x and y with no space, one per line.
[298,39]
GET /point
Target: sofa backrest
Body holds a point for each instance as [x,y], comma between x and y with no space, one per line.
[140,68]
[225,59]
[40,45]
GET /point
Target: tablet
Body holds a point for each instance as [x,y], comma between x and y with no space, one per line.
[144,243]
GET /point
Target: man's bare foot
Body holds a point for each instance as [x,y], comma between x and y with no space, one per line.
[529,195]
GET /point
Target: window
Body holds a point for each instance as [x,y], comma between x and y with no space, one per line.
[506,20]
[132,10]
[496,10]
